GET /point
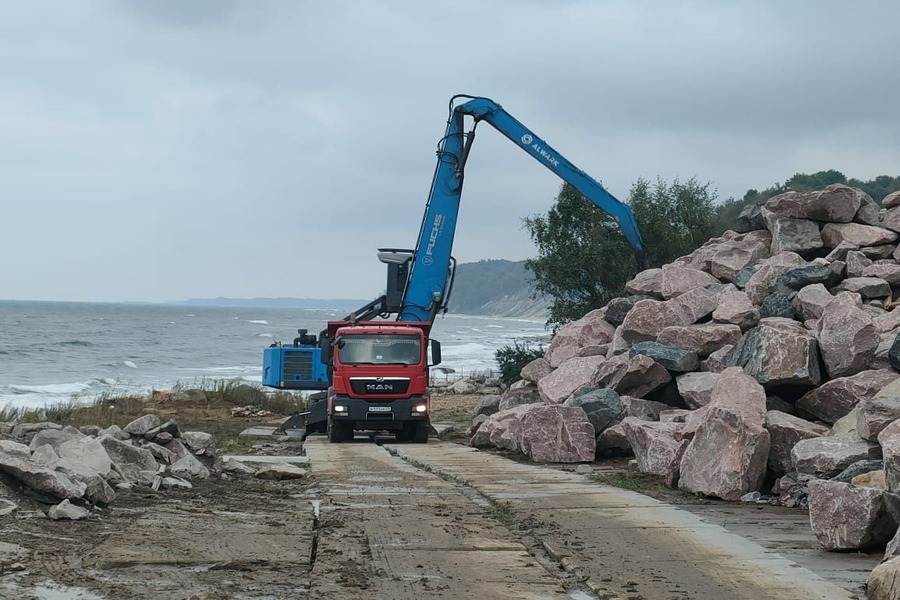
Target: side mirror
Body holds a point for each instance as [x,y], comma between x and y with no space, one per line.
[435,353]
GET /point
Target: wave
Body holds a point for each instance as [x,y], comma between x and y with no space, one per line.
[54,389]
[259,321]
[76,343]
[265,335]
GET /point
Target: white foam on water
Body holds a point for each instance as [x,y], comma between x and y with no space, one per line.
[259,321]
[53,389]
[129,364]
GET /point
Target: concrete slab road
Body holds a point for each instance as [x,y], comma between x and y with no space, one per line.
[441,520]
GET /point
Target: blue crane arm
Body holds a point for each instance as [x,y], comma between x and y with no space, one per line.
[426,287]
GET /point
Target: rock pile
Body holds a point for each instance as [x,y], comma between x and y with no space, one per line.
[86,466]
[764,361]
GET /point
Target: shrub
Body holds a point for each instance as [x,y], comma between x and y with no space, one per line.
[512,358]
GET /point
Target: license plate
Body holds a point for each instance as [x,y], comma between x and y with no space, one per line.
[379,409]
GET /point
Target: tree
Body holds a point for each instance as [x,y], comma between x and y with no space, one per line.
[584,260]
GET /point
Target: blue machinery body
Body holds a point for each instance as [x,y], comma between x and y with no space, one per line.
[420,280]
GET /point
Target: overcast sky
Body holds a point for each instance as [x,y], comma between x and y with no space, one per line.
[166,149]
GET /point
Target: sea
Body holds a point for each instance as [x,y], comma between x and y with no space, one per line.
[52,352]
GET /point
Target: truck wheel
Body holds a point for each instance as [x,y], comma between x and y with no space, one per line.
[402,434]
[420,436]
[339,432]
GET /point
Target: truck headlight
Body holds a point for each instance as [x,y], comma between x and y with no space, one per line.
[420,408]
[340,408]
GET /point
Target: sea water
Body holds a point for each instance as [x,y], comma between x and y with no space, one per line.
[52,351]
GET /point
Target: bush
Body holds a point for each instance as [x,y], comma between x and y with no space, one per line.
[512,358]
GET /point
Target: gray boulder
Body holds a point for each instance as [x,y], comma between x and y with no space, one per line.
[603,407]
[488,405]
[672,358]
[518,397]
[828,456]
[54,437]
[836,203]
[794,235]
[41,479]
[142,425]
[65,510]
[189,467]
[536,370]
[777,304]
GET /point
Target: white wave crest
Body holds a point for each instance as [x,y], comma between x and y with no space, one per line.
[259,321]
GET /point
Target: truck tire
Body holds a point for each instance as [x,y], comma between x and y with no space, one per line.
[420,435]
[339,432]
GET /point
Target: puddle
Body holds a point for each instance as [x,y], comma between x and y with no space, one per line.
[50,590]
[579,595]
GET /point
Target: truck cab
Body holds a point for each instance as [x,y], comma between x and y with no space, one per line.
[380,379]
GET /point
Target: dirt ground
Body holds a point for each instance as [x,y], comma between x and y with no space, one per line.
[366,523]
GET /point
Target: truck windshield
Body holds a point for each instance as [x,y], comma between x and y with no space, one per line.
[380,349]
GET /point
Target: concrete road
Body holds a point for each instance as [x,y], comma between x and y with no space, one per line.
[445,521]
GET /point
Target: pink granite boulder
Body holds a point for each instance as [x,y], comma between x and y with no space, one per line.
[704,339]
[571,375]
[836,398]
[784,432]
[635,377]
[589,330]
[757,287]
[557,434]
[735,308]
[846,517]
[847,336]
[728,453]
[696,388]
[861,235]
[657,447]
[778,352]
[836,203]
[646,283]
[677,280]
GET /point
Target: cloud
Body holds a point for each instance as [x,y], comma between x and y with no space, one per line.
[160,150]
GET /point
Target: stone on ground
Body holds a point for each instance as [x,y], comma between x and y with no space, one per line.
[778,352]
[189,467]
[884,581]
[784,432]
[41,479]
[836,398]
[280,471]
[603,407]
[658,447]
[846,517]
[68,511]
[142,425]
[827,456]
[696,388]
[571,375]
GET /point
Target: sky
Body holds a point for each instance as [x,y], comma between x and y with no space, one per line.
[156,150]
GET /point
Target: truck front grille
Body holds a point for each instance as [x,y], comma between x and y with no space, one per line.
[366,386]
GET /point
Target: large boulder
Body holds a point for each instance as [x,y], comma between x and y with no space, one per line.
[856,263]
[846,517]
[658,447]
[488,405]
[867,287]
[702,339]
[14,449]
[677,280]
[777,304]
[54,437]
[799,277]
[778,352]
[143,424]
[890,448]
[827,456]
[727,456]
[649,317]
[41,479]
[836,398]
[189,467]
[875,413]
[836,203]
[697,304]
[861,235]
[888,272]
[757,287]
[696,388]
[884,580]
[84,457]
[735,308]
[556,434]
[603,407]
[784,432]
[672,358]
[727,258]
[518,397]
[129,459]
[635,377]
[571,375]
[646,283]
[536,369]
[589,330]
[794,235]
[811,301]
[646,410]
[502,430]
[847,336]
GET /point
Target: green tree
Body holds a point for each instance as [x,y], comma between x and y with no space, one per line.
[584,260]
